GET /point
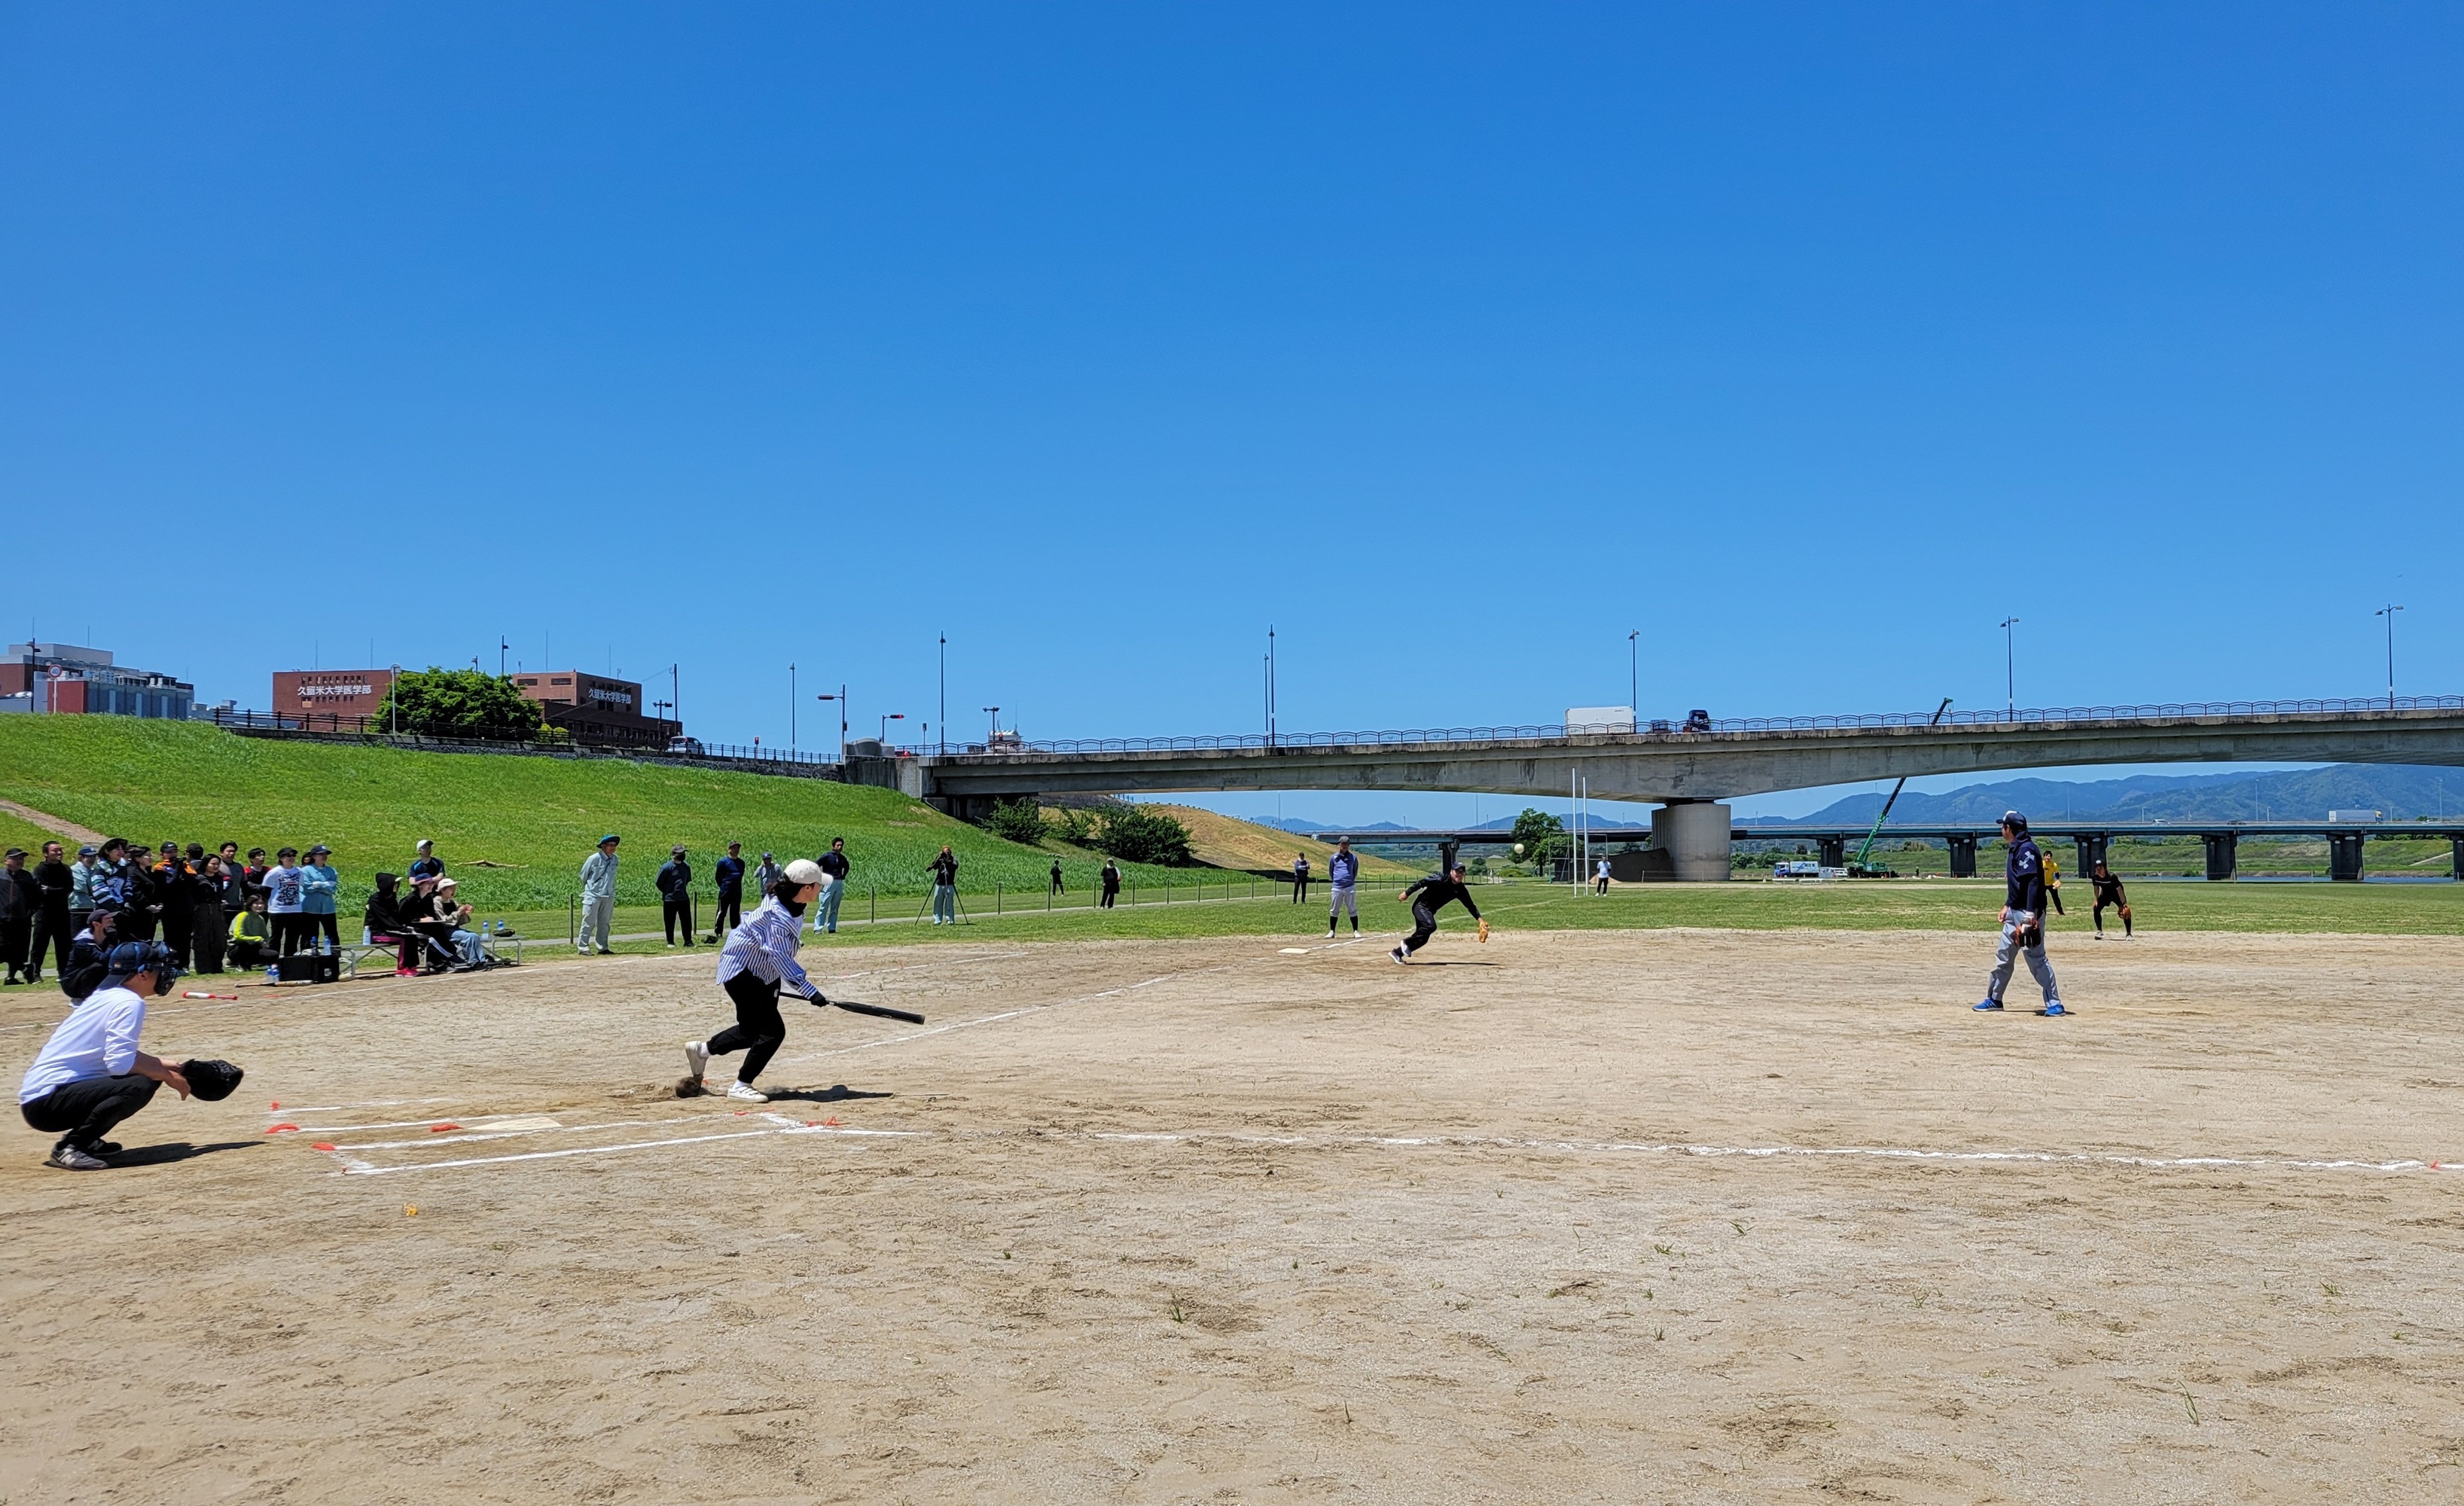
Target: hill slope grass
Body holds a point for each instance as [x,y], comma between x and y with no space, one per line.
[514,830]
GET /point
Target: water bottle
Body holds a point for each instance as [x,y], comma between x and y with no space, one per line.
[273,973]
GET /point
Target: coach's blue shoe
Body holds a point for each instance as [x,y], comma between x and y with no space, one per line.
[2052,1010]
[1987,1005]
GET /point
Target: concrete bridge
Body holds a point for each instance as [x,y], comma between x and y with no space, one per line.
[1686,769]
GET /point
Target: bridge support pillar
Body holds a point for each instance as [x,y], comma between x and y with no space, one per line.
[2221,853]
[1963,857]
[1446,851]
[1694,836]
[1834,851]
[2091,852]
[2344,856]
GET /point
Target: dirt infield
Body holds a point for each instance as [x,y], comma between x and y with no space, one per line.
[1657,1217]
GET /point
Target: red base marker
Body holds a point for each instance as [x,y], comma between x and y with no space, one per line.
[323,1144]
[438,1129]
[277,1129]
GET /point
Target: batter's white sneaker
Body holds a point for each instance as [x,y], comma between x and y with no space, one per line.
[696,1059]
[746,1093]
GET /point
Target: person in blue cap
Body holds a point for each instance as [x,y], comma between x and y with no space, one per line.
[2023,919]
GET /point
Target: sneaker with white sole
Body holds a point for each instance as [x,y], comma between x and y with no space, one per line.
[746,1093]
[69,1158]
[696,1059]
[1399,954]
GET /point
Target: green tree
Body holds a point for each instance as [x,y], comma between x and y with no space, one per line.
[1536,832]
[1135,834]
[1018,820]
[459,703]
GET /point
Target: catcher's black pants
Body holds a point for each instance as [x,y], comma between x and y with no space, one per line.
[758,1030]
[1424,925]
[83,1113]
[676,913]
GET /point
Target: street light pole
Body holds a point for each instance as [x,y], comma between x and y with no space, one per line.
[2389,612]
[791,708]
[886,718]
[994,711]
[839,698]
[1271,684]
[2010,670]
[1634,679]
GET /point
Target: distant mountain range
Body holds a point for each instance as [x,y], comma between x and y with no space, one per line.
[2296,794]
[2402,792]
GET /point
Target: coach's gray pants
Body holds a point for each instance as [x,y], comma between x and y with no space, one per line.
[1341,903]
[2037,967]
[600,912]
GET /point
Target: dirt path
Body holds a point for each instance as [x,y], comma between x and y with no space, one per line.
[68,831]
[1665,1216]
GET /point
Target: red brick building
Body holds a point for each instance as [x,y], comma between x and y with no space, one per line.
[337,692]
[594,708]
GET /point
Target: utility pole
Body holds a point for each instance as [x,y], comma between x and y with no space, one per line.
[675,696]
[1634,678]
[2010,670]
[501,646]
[994,711]
[2389,612]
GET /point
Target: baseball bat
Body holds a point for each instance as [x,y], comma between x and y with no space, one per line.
[877,1011]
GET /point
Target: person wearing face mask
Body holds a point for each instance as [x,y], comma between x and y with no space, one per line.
[758,961]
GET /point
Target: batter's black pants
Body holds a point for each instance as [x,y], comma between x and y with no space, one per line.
[1424,925]
[758,1030]
[51,931]
[676,913]
[730,914]
[84,1113]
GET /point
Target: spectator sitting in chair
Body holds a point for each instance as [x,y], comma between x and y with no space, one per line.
[388,927]
[456,917]
[252,938]
[426,916]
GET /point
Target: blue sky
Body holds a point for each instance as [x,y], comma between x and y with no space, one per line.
[1455,343]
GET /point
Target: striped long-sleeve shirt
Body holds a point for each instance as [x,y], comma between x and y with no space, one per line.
[765,947]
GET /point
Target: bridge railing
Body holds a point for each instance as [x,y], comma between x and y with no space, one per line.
[2042,718]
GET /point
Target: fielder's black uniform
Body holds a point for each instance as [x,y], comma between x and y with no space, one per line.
[1429,896]
[2108,892]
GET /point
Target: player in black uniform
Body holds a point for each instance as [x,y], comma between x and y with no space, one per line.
[1426,898]
[2108,892]
[2023,919]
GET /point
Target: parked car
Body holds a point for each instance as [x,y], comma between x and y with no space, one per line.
[691,747]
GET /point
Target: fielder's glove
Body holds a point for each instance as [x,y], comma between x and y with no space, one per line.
[1484,930]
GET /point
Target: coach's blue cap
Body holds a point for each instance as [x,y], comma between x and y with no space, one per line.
[610,837]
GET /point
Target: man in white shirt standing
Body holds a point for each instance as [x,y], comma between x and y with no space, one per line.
[90,1075]
[286,901]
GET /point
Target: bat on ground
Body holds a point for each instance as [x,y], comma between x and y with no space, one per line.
[877,1011]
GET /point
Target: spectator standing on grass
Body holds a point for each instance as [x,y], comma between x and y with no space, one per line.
[235,885]
[253,872]
[81,876]
[286,901]
[729,875]
[945,887]
[138,913]
[599,896]
[325,887]
[174,901]
[674,885]
[1601,877]
[1056,877]
[427,865]
[767,874]
[1300,877]
[209,928]
[835,869]
[53,883]
[16,910]
[1111,878]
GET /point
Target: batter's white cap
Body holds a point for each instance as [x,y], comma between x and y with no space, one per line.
[803,871]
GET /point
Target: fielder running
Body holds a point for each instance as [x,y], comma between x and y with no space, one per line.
[2023,919]
[758,959]
[1426,898]
[1342,873]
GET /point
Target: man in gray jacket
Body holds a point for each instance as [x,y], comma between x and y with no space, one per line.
[599,896]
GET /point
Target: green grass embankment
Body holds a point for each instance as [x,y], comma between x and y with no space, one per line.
[512,830]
